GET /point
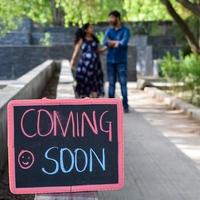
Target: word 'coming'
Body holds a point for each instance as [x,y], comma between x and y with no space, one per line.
[73,123]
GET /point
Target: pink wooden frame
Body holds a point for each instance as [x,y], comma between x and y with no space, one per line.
[59,189]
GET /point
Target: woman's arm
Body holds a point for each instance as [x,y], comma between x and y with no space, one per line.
[102,49]
[75,53]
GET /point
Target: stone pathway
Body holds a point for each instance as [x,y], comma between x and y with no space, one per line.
[158,166]
[162,153]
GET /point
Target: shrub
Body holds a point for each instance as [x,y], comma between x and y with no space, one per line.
[46,40]
[185,69]
[100,36]
[192,74]
[172,68]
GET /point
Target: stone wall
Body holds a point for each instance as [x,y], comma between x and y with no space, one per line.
[27,51]
[163,44]
[161,51]
[21,36]
[17,60]
[150,49]
[16,38]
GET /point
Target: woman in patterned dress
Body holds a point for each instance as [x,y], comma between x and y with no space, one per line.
[88,73]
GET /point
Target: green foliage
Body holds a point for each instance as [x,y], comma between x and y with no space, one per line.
[13,11]
[82,11]
[192,74]
[100,36]
[79,11]
[46,40]
[145,10]
[172,68]
[8,15]
[185,69]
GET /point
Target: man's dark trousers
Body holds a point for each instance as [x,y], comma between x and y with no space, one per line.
[118,71]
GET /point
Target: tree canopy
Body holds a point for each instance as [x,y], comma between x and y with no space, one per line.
[192,6]
[79,11]
[65,12]
[13,11]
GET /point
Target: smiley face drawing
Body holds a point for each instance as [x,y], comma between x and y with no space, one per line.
[25,159]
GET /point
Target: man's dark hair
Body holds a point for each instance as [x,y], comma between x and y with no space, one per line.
[115,13]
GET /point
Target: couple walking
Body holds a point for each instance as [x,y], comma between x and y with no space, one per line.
[89,75]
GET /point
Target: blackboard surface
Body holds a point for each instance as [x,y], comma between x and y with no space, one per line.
[65,145]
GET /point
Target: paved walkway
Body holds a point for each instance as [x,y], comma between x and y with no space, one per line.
[162,153]
[162,150]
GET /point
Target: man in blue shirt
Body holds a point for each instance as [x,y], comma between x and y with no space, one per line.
[116,40]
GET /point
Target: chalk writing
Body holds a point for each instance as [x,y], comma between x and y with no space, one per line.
[56,126]
[65,145]
[70,164]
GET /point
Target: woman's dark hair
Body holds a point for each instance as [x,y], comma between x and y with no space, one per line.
[81,33]
[115,13]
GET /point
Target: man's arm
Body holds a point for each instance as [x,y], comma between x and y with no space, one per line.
[106,38]
[124,41]
[107,41]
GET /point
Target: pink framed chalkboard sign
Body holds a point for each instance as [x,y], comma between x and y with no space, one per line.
[65,145]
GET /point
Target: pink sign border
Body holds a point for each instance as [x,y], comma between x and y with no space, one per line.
[60,189]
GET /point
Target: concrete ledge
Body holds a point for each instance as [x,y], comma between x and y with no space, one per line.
[173,102]
[68,196]
[65,83]
[28,86]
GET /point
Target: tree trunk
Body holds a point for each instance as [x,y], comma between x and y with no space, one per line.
[58,14]
[193,42]
[193,7]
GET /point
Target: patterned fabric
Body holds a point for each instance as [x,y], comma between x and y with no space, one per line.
[89,74]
